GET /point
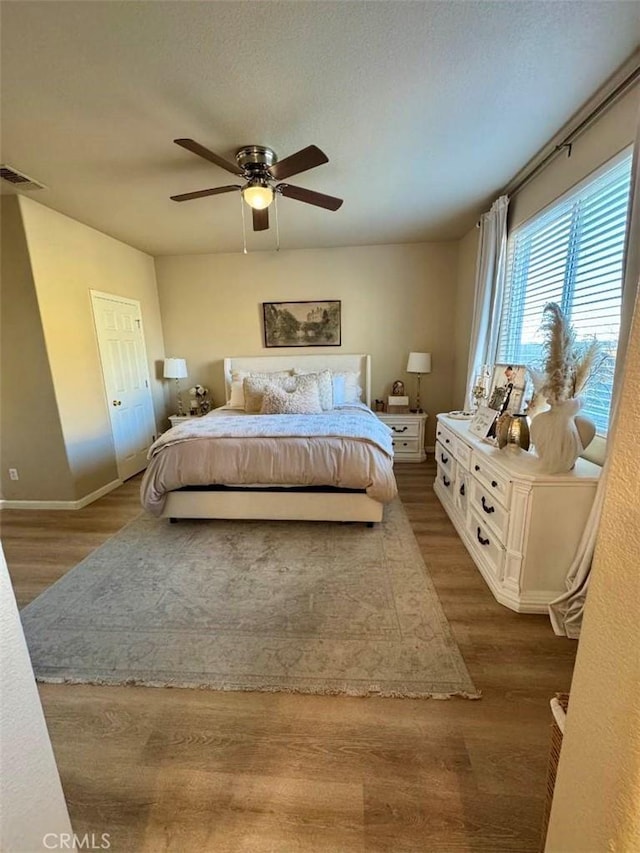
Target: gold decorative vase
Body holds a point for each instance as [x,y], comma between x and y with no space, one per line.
[513,431]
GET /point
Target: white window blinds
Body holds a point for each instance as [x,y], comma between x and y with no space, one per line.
[572,254]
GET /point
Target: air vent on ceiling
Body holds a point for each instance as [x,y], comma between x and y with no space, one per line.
[18,179]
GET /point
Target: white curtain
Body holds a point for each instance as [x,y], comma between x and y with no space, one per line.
[490,274]
[566,611]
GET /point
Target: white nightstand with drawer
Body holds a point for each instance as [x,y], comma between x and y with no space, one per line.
[174,420]
[408,435]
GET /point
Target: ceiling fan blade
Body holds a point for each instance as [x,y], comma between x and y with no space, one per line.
[307,158]
[204,193]
[201,151]
[261,219]
[310,197]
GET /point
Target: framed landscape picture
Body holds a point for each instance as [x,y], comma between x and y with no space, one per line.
[302,324]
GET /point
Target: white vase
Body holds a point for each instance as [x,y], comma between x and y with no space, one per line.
[556,438]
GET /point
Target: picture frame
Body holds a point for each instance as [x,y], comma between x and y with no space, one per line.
[482,421]
[303,324]
[509,388]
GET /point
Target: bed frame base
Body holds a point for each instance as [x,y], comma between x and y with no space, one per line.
[298,506]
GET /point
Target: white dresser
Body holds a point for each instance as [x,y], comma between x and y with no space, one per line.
[408,435]
[521,527]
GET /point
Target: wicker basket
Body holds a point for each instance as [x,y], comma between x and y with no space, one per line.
[559,707]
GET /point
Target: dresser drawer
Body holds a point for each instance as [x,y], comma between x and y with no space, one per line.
[463,479]
[498,485]
[486,507]
[462,453]
[405,429]
[447,481]
[445,459]
[445,437]
[405,445]
[487,543]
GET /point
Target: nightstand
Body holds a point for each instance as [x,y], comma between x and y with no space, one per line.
[408,435]
[174,420]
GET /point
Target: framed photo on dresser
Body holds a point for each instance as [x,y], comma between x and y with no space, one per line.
[509,388]
[482,421]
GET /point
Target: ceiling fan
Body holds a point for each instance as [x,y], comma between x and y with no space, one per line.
[260,168]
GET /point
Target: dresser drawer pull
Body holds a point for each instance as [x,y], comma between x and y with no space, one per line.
[494,484]
[487,509]
[397,429]
[446,441]
[446,481]
[444,458]
[477,467]
[481,540]
[462,490]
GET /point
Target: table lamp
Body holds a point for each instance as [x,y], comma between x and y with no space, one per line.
[419,362]
[176,368]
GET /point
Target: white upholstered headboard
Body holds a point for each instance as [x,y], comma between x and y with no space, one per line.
[360,364]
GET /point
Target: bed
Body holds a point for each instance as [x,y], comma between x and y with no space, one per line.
[333,466]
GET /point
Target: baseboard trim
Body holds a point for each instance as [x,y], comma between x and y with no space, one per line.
[79,504]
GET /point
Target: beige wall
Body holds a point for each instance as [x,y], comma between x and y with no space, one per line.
[394,299]
[465,295]
[68,260]
[613,131]
[32,440]
[596,804]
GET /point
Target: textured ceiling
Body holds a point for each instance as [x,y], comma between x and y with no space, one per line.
[425,109]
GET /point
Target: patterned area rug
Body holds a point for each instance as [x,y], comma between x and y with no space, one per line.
[308,607]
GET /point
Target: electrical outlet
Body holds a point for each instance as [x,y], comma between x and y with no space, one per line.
[13,474]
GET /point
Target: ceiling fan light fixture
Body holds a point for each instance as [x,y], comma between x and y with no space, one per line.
[258,195]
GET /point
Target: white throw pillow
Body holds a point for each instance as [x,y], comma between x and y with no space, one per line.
[352,388]
[236,399]
[338,386]
[254,388]
[325,386]
[303,400]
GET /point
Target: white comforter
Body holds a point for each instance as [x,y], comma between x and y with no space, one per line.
[348,447]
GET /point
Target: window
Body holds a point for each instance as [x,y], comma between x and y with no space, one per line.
[572,254]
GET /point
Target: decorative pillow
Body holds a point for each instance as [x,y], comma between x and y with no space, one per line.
[236,399]
[254,388]
[352,389]
[304,400]
[325,386]
[338,387]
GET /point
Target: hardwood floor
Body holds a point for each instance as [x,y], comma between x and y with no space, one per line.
[195,770]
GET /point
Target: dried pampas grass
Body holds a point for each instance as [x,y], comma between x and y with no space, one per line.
[569,365]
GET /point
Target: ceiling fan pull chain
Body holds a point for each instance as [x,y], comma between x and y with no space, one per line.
[275,207]
[244,229]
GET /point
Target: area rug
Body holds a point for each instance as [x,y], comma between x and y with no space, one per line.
[301,607]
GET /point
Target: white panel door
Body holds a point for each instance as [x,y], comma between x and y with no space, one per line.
[126,380]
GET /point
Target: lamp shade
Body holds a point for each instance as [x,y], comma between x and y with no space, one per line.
[175,368]
[258,196]
[419,362]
